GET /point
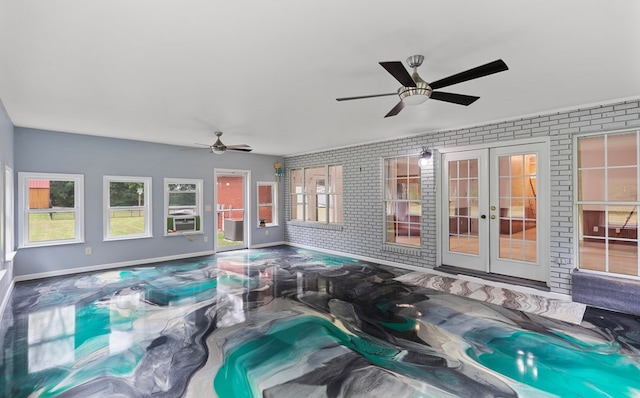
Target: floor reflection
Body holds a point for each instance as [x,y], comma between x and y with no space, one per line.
[288,322]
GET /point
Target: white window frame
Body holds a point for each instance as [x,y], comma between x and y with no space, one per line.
[24,211]
[9,221]
[387,202]
[197,208]
[273,204]
[148,231]
[324,197]
[606,203]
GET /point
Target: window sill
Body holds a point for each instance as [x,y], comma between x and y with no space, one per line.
[116,239]
[180,233]
[410,251]
[9,256]
[317,225]
[50,243]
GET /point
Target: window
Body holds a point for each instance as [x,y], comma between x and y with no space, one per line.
[183,205]
[267,204]
[402,200]
[51,209]
[316,194]
[127,202]
[607,202]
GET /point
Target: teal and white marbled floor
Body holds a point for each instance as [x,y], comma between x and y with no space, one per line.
[287,322]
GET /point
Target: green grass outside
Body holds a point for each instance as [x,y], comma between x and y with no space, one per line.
[61,226]
[223,242]
[120,225]
[58,226]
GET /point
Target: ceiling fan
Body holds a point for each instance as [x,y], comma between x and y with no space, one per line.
[219,148]
[415,91]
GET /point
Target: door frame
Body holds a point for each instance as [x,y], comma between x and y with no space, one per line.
[544,200]
[246,228]
[479,262]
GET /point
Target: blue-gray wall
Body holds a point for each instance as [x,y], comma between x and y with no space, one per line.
[57,152]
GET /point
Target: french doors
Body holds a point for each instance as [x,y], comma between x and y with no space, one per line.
[495,206]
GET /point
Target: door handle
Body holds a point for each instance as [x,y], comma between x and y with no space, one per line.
[483,216]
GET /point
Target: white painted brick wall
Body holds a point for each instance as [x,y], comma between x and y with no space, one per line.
[362,233]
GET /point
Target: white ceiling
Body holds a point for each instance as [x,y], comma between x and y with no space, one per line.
[267,73]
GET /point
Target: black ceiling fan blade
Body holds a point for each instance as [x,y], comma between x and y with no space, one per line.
[396,109]
[474,73]
[365,96]
[398,71]
[240,149]
[460,99]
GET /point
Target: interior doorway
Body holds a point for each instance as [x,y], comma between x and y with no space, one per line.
[232,212]
[495,202]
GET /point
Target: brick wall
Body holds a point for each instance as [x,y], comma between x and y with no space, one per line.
[362,231]
[230,191]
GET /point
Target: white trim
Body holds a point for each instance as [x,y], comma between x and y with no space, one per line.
[404,248]
[199,183]
[102,267]
[306,195]
[9,256]
[274,202]
[9,214]
[544,198]
[5,300]
[577,203]
[106,207]
[494,144]
[263,245]
[247,205]
[24,210]
[622,277]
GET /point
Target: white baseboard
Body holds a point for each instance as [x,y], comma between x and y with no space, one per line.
[103,267]
[363,258]
[263,245]
[522,289]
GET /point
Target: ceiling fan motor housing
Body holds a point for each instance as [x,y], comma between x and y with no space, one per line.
[421,91]
[415,61]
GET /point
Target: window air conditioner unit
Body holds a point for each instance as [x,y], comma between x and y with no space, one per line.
[183,224]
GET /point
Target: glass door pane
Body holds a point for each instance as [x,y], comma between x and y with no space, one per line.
[464,202]
[463,206]
[517,179]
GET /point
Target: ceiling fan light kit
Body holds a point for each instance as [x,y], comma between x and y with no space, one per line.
[415,90]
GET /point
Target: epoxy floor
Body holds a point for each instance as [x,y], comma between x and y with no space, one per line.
[288,322]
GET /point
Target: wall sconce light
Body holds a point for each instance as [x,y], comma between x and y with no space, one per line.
[278,167]
[425,156]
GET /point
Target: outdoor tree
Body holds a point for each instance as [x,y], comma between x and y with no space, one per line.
[61,194]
